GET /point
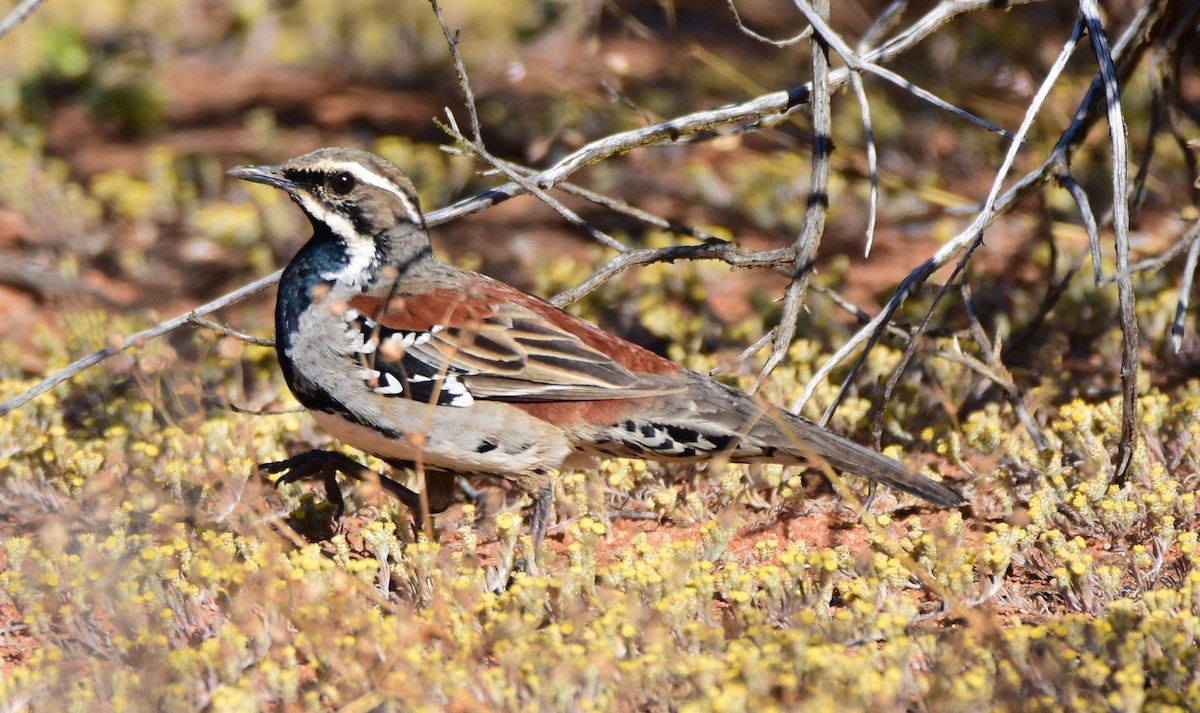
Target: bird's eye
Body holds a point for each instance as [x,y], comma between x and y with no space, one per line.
[342,183]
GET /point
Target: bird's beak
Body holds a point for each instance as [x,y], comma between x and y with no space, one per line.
[267,175]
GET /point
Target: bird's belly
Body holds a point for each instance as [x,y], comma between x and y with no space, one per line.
[366,439]
[482,439]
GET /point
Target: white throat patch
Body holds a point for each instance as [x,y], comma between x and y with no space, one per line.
[360,249]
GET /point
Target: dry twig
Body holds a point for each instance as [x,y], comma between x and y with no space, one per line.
[742,117]
[1133,42]
[804,249]
[1120,163]
[17,15]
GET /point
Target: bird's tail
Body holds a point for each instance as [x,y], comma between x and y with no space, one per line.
[805,440]
[703,418]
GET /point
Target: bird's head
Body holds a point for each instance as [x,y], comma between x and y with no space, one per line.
[363,202]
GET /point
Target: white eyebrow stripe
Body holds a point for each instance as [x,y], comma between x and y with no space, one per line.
[374,179]
[365,175]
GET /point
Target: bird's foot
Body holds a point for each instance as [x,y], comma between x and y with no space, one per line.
[325,465]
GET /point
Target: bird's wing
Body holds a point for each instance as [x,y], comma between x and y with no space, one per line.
[496,342]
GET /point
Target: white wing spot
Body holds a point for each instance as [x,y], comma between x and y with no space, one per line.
[454,386]
[393,387]
[367,374]
[458,390]
[411,339]
[369,346]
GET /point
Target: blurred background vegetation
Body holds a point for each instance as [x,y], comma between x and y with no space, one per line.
[145,566]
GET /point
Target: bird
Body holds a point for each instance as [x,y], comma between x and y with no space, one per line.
[417,361]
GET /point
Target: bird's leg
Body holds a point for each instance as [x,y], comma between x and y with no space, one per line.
[543,502]
[439,492]
[474,496]
[326,465]
[867,501]
[499,579]
[411,500]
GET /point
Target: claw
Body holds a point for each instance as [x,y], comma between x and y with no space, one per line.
[334,494]
[326,465]
[311,464]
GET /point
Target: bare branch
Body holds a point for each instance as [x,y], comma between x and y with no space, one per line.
[1053,294]
[800,36]
[1185,291]
[999,375]
[713,250]
[993,207]
[704,125]
[141,337]
[621,207]
[1067,181]
[909,352]
[745,116]
[860,93]
[857,64]
[1189,241]
[222,329]
[1166,101]
[18,15]
[882,25]
[1125,298]
[464,81]
[805,247]
[482,154]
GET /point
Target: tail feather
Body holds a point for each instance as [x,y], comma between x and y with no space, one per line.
[705,417]
[806,439]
